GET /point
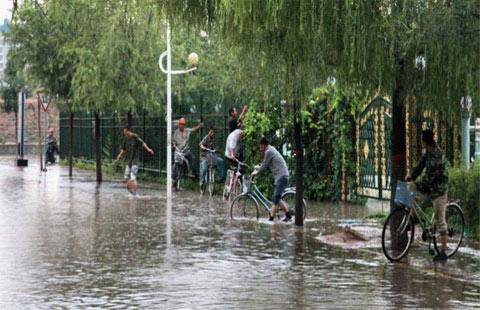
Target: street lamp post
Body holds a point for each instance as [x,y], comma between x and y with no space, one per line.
[466,113]
[169,73]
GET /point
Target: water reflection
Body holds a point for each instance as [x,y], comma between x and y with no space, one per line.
[169,222]
[79,245]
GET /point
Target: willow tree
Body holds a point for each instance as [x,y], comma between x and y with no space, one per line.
[427,49]
[116,69]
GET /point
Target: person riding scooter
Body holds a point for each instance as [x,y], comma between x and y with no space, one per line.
[52,148]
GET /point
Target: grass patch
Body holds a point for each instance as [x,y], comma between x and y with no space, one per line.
[377,215]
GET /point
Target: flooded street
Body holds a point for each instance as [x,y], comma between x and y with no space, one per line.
[72,244]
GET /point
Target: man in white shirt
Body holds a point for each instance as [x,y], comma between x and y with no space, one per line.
[232,150]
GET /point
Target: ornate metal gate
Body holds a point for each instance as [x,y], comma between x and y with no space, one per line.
[373,150]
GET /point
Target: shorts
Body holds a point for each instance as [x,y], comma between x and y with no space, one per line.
[439,207]
[280,186]
[131,172]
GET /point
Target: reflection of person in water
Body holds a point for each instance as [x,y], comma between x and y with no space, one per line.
[411,289]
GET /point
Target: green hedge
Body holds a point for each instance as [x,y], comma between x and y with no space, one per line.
[465,186]
[328,136]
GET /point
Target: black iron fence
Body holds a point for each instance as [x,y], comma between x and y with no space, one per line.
[151,128]
[373,144]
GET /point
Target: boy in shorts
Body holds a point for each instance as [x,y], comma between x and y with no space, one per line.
[131,147]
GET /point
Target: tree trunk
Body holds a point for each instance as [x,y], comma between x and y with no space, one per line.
[16,132]
[129,118]
[298,165]
[399,161]
[70,147]
[98,148]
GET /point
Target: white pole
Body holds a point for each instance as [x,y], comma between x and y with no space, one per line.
[169,116]
[169,73]
[45,140]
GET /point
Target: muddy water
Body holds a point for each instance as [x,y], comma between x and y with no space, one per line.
[71,244]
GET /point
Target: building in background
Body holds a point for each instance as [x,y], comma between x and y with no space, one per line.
[4,28]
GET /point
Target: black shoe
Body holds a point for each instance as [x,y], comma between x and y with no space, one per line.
[288,217]
[440,257]
[424,236]
[271,219]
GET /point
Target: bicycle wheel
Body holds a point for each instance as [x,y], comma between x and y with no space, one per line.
[289,199]
[397,234]
[455,229]
[203,184]
[177,171]
[243,207]
[211,180]
[236,188]
[226,187]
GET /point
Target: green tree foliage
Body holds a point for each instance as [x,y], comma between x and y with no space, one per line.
[328,133]
[38,37]
[465,186]
[117,52]
[13,79]
[366,42]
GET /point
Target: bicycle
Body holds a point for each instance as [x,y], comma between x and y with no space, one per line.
[246,205]
[180,168]
[399,229]
[233,181]
[212,162]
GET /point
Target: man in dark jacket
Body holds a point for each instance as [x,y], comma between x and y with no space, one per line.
[433,185]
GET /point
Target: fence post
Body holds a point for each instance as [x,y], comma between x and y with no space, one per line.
[70,146]
[114,133]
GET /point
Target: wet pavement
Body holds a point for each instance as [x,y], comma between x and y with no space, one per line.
[72,244]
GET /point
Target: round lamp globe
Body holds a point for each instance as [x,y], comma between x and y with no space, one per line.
[192,59]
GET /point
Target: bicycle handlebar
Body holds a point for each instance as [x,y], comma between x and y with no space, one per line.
[241,163]
[177,150]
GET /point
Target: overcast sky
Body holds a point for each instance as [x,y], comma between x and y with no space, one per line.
[5,9]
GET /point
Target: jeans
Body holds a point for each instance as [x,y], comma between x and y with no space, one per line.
[220,166]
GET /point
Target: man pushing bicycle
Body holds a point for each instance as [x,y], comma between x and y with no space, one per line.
[273,159]
[433,185]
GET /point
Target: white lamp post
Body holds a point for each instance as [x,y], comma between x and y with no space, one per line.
[466,113]
[193,58]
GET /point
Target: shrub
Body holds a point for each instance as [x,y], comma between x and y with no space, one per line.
[465,186]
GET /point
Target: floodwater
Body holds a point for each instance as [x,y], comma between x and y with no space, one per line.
[72,244]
